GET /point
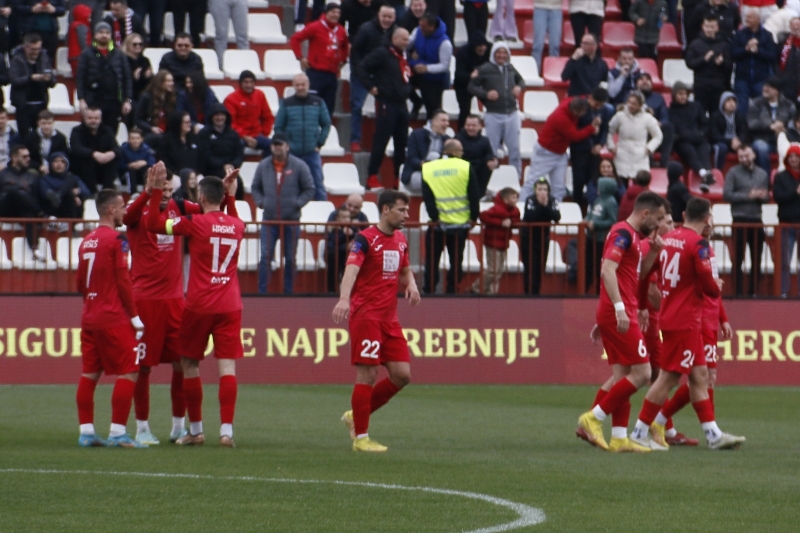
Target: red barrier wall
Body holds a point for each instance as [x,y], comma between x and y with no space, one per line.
[452,340]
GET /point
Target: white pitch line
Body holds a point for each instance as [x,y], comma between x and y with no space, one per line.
[528,516]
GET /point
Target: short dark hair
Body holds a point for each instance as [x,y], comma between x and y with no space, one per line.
[136,131]
[646,75]
[94,108]
[123,2]
[183,35]
[775,82]
[710,18]
[430,18]
[744,146]
[213,189]
[626,49]
[648,200]
[643,178]
[438,112]
[16,149]
[342,209]
[32,38]
[505,192]
[472,115]
[45,114]
[579,106]
[104,198]
[600,95]
[697,209]
[389,197]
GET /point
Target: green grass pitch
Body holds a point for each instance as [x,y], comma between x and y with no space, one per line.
[510,442]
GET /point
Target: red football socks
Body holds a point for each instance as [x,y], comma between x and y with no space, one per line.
[648,412]
[85,400]
[121,400]
[141,395]
[227,398]
[176,393]
[619,394]
[711,395]
[599,397]
[193,391]
[678,401]
[669,424]
[382,393]
[621,417]
[361,403]
[704,410]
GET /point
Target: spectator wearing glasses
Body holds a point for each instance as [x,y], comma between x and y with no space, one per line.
[18,194]
[182,60]
[140,66]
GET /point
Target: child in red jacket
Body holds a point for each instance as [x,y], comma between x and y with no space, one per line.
[497,222]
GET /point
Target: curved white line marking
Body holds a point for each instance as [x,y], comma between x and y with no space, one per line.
[528,516]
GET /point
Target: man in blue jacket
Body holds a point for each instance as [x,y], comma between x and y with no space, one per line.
[424,144]
[429,54]
[753,51]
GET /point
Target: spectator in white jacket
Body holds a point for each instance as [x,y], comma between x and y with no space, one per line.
[639,136]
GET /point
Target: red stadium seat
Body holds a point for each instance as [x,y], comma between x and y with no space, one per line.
[611,62]
[523,7]
[651,67]
[617,35]
[772,177]
[668,40]
[660,183]
[715,192]
[527,32]
[613,11]
[667,96]
[565,9]
[553,67]
[567,35]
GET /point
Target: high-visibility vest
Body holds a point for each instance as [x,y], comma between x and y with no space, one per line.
[448,179]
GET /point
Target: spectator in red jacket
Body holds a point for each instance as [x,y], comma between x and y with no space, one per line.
[550,151]
[251,116]
[328,50]
[79,36]
[640,184]
[497,222]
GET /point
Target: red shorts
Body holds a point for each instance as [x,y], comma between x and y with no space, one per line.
[376,342]
[225,328]
[162,321]
[113,351]
[683,349]
[652,340]
[710,339]
[626,349]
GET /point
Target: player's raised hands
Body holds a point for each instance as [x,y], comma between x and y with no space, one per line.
[159,173]
[230,182]
[342,309]
[412,295]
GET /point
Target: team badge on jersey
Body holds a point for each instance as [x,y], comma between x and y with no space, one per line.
[622,241]
[126,247]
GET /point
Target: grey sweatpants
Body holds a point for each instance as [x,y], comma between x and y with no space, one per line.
[235,11]
[546,163]
[500,128]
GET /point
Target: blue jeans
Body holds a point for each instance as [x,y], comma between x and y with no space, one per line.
[358,93]
[744,91]
[314,162]
[269,235]
[546,22]
[789,237]
[264,144]
[763,149]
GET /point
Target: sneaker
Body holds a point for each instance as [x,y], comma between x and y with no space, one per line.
[91,441]
[191,440]
[708,177]
[373,183]
[347,420]
[226,441]
[681,440]
[38,255]
[657,432]
[355,146]
[626,445]
[581,434]
[364,444]
[647,442]
[726,442]
[125,441]
[147,437]
[175,435]
[594,429]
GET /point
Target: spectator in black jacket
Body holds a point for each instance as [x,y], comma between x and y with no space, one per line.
[788,67]
[677,193]
[753,50]
[104,78]
[181,61]
[767,117]
[337,246]
[31,75]
[43,141]
[727,129]
[477,151]
[710,58]
[358,12]
[534,242]
[657,106]
[585,155]
[786,191]
[424,144]
[410,19]
[37,16]
[123,22]
[19,194]
[180,146]
[139,65]
[371,35]
[691,132]
[585,69]
[222,148]
[725,11]
[385,74]
[94,151]
[61,193]
[468,59]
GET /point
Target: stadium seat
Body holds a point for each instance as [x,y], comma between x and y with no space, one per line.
[332,147]
[618,35]
[767,264]
[272,97]
[59,100]
[249,254]
[722,256]
[235,61]
[461,37]
[567,37]
[555,260]
[783,147]
[265,28]
[155,55]
[281,65]
[221,91]
[722,219]
[304,260]
[676,70]
[315,214]
[169,25]
[527,68]
[502,177]
[613,10]
[423,213]
[63,27]
[523,8]
[321,265]
[258,4]
[210,29]
[22,256]
[211,64]
[89,214]
[5,262]
[769,216]
[450,104]
[370,209]
[247,172]
[538,105]
[527,139]
[402,188]
[668,40]
[659,183]
[715,191]
[368,109]
[470,262]
[63,68]
[67,256]
[793,264]
[570,214]
[246,215]
[122,133]
[65,126]
[341,178]
[651,67]
[551,72]
[7,99]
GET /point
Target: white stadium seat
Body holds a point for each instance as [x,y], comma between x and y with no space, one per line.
[67,256]
[63,68]
[461,36]
[7,98]
[59,100]
[89,213]
[722,219]
[222,91]
[526,66]
[368,109]
[538,105]
[769,216]
[281,65]
[247,172]
[65,126]
[555,260]
[272,97]
[235,61]
[265,28]
[316,213]
[259,4]
[210,64]
[341,178]
[246,215]
[450,104]
[783,147]
[22,256]
[5,262]
[676,70]
[527,138]
[210,30]
[155,55]
[370,209]
[249,254]
[332,148]
[63,26]
[502,177]
[722,256]
[304,260]
[570,214]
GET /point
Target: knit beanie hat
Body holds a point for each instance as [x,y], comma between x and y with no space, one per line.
[101,26]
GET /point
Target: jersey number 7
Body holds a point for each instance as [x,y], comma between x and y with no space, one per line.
[216,242]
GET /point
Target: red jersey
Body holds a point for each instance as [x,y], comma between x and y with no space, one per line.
[214,240]
[104,281]
[380,258]
[713,311]
[685,267]
[157,268]
[622,247]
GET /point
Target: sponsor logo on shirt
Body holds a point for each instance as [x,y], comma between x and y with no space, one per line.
[391,261]
[165,240]
[217,228]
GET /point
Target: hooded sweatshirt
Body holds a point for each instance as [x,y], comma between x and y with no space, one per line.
[723,127]
[79,36]
[220,148]
[53,188]
[603,212]
[500,78]
[689,119]
[785,190]
[467,60]
[494,234]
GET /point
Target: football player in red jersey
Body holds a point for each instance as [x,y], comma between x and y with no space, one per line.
[686,275]
[377,268]
[214,301]
[110,325]
[618,326]
[157,272]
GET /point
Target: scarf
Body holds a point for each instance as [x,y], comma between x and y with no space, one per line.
[791,42]
[730,125]
[405,70]
[118,35]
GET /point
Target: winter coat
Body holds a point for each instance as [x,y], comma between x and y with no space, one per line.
[79,35]
[143,114]
[536,212]
[82,142]
[689,121]
[118,27]
[707,74]
[29,22]
[180,68]
[561,129]
[656,103]
[467,60]
[54,188]
[94,70]
[718,124]
[305,121]
[494,77]
[603,213]
[584,75]
[382,69]
[129,155]
[356,14]
[788,66]
[633,145]
[727,14]
[654,12]
[419,142]
[296,189]
[177,154]
[759,117]
[620,86]
[750,67]
[250,113]
[494,234]
[33,142]
[328,48]
[784,190]
[370,36]
[477,151]
[23,88]
[220,148]
[139,85]
[434,51]
[739,181]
